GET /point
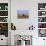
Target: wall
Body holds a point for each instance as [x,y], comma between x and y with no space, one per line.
[23,24]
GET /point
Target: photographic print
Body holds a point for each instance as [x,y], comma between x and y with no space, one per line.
[22,14]
[3,19]
[13,27]
[42,32]
[41,13]
[4,29]
[41,25]
[3,6]
[3,13]
[41,6]
[41,19]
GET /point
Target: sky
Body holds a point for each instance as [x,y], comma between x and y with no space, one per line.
[23,11]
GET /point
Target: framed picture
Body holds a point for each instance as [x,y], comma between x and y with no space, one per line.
[42,33]
[41,25]
[4,29]
[41,6]
[13,27]
[41,19]
[3,19]
[22,14]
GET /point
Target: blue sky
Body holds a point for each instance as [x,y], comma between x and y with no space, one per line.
[23,12]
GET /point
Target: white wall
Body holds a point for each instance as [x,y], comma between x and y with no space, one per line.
[23,24]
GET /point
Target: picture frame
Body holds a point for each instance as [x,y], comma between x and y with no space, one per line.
[22,14]
[42,33]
